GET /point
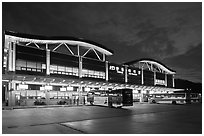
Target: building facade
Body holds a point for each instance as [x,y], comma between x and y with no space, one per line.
[55,68]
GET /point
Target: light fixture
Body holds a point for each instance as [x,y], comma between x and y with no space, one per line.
[23,86]
[42,88]
[48,87]
[63,89]
[69,88]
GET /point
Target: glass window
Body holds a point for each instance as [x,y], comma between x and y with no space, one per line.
[97,73]
[84,71]
[39,65]
[43,66]
[61,68]
[68,69]
[53,67]
[75,70]
[18,68]
[91,72]
[20,63]
[31,64]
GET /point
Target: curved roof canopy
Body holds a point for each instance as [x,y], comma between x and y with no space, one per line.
[154,62]
[59,39]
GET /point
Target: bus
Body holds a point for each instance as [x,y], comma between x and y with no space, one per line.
[111,98]
[174,98]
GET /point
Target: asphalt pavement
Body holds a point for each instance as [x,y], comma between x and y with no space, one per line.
[137,119]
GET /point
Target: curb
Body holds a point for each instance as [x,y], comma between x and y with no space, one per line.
[30,107]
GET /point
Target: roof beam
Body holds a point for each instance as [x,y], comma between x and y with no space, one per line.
[69,48]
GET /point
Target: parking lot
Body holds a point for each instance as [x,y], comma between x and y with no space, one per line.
[137,119]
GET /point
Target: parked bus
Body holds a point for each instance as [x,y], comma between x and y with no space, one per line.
[111,98]
[174,98]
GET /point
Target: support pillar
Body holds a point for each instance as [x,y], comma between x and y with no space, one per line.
[154,78]
[80,67]
[165,79]
[80,98]
[11,94]
[126,79]
[14,56]
[141,95]
[173,81]
[104,57]
[10,56]
[47,62]
[47,96]
[142,76]
[106,70]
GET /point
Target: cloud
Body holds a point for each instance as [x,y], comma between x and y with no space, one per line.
[162,31]
[188,65]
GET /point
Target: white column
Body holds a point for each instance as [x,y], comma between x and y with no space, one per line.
[10,57]
[173,81]
[11,94]
[80,67]
[126,79]
[14,57]
[142,76]
[106,70]
[47,96]
[154,78]
[80,100]
[104,57]
[78,51]
[6,47]
[165,79]
[48,62]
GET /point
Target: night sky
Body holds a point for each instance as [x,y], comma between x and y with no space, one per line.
[167,32]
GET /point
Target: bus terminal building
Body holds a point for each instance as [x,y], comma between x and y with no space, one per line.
[54,68]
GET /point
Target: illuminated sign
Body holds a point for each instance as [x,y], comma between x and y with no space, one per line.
[133,72]
[42,88]
[63,89]
[87,89]
[69,88]
[118,69]
[22,86]
[48,87]
[159,82]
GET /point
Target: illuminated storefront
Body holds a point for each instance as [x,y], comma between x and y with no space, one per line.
[47,70]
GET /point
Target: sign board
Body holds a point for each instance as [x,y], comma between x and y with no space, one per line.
[159,82]
[87,89]
[69,88]
[42,88]
[117,69]
[133,72]
[63,89]
[48,87]
[116,73]
[22,86]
